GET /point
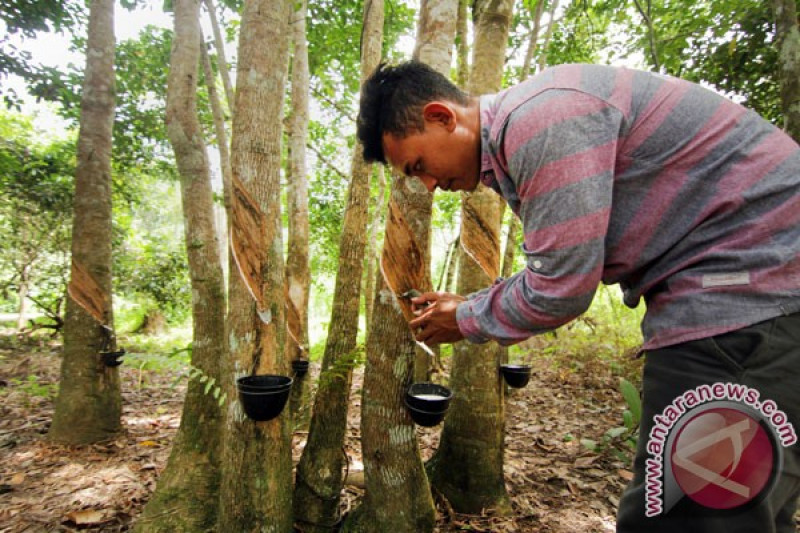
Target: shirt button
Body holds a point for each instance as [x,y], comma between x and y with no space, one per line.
[537,264]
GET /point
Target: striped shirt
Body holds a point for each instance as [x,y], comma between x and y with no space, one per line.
[622,176]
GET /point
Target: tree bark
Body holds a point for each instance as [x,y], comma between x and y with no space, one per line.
[89,405]
[298,276]
[788,43]
[222,62]
[255,489]
[319,476]
[224,154]
[468,466]
[372,245]
[398,497]
[186,497]
[436,32]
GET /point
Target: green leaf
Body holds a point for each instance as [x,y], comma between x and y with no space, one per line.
[616,432]
[632,398]
[590,444]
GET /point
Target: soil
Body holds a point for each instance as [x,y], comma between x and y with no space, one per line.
[555,483]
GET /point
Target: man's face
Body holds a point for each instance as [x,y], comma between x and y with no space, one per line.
[443,155]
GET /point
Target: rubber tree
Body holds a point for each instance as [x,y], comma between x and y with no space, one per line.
[89,404]
[468,466]
[186,496]
[319,477]
[398,496]
[436,31]
[256,467]
[298,275]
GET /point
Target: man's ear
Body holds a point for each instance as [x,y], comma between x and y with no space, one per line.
[441,113]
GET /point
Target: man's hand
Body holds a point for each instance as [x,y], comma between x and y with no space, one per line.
[436,322]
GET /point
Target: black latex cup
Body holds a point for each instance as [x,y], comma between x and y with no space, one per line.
[425,418]
[264,397]
[300,367]
[264,383]
[427,403]
[516,376]
[428,396]
[113,358]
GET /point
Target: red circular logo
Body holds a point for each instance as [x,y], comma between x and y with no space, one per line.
[722,458]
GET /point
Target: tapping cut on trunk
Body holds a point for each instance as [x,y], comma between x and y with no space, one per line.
[247,243]
[402,261]
[85,291]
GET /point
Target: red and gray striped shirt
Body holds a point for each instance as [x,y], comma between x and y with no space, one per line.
[622,176]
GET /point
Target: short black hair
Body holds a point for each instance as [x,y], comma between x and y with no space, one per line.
[392,99]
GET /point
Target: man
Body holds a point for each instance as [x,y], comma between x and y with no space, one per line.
[683,198]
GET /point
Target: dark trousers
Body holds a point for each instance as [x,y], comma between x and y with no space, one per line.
[764,357]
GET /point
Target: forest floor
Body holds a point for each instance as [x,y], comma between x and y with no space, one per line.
[555,484]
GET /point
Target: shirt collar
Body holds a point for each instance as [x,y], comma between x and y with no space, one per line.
[487,115]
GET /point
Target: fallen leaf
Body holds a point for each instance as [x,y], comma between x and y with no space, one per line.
[625,474]
[148,443]
[17,479]
[87,517]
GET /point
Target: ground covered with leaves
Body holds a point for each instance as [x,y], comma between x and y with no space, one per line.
[555,482]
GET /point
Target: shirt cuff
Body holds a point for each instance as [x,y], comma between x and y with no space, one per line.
[468,323]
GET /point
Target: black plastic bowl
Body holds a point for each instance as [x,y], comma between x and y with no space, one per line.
[516,376]
[113,359]
[427,396]
[264,397]
[264,383]
[425,418]
[300,367]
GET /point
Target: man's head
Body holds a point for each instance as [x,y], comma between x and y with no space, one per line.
[415,119]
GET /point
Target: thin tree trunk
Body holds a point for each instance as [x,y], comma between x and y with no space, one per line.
[319,478]
[462,46]
[255,489]
[551,25]
[222,63]
[22,294]
[468,466]
[222,145]
[89,404]
[186,497]
[298,276]
[534,39]
[372,245]
[788,43]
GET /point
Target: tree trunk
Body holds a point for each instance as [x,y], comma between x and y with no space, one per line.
[255,489]
[222,63]
[22,294]
[788,43]
[468,466]
[372,245]
[319,476]
[89,404]
[186,497]
[462,46]
[533,40]
[548,34]
[298,277]
[224,153]
[398,497]
[436,32]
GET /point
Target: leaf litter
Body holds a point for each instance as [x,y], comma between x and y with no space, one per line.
[555,484]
